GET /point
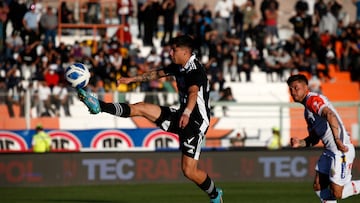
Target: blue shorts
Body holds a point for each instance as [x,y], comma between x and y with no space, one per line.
[337,166]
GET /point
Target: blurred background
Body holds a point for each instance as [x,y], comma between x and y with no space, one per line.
[249,48]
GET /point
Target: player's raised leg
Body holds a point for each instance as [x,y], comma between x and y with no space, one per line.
[90,101]
[149,111]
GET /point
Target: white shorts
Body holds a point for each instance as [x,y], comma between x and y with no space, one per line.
[338,169]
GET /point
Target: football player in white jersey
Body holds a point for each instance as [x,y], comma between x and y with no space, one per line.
[333,179]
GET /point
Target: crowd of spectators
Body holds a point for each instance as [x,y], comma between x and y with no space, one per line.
[232,39]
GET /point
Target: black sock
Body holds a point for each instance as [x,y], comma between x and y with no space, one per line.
[209,187]
[117,109]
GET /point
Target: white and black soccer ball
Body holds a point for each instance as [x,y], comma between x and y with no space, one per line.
[77,75]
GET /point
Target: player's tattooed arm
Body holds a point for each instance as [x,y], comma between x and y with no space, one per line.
[335,128]
[151,75]
[148,76]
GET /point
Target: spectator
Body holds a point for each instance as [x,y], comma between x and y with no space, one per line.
[168,11]
[186,18]
[124,10]
[238,140]
[4,10]
[357,5]
[238,21]
[220,25]
[17,10]
[149,10]
[63,53]
[15,92]
[328,24]
[354,54]
[226,96]
[77,51]
[31,25]
[301,22]
[271,22]
[286,63]
[315,84]
[60,98]
[29,59]
[265,4]
[272,65]
[65,13]
[275,141]
[245,63]
[250,15]
[3,90]
[49,23]
[92,12]
[140,17]
[153,62]
[41,141]
[102,68]
[223,9]
[51,77]
[320,10]
[44,99]
[14,45]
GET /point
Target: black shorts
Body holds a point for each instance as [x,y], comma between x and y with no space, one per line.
[191,137]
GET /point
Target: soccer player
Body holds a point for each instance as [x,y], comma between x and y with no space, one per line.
[333,170]
[190,121]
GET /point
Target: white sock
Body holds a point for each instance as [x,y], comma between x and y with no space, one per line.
[325,196]
[351,188]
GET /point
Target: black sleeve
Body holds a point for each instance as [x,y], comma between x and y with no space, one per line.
[171,69]
[311,140]
[194,78]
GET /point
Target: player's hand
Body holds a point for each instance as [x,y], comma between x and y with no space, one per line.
[341,146]
[125,80]
[184,120]
[295,142]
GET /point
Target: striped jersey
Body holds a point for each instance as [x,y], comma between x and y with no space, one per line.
[193,73]
[318,126]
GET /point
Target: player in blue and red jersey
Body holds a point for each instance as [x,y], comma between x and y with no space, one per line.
[333,170]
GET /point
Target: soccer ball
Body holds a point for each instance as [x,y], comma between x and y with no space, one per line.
[77,75]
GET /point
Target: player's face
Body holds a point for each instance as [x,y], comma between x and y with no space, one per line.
[298,90]
[177,54]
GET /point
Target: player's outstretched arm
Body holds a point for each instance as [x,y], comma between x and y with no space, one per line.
[297,143]
[145,77]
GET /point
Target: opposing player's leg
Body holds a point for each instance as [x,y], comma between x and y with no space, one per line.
[341,184]
[321,187]
[350,189]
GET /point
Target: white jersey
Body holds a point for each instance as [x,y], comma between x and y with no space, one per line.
[318,126]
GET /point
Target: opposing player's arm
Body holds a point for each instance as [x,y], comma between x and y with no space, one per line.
[309,141]
[335,127]
[145,77]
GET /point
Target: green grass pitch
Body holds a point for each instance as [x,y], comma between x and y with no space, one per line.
[249,192]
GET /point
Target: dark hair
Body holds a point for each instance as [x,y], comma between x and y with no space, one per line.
[183,41]
[298,77]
